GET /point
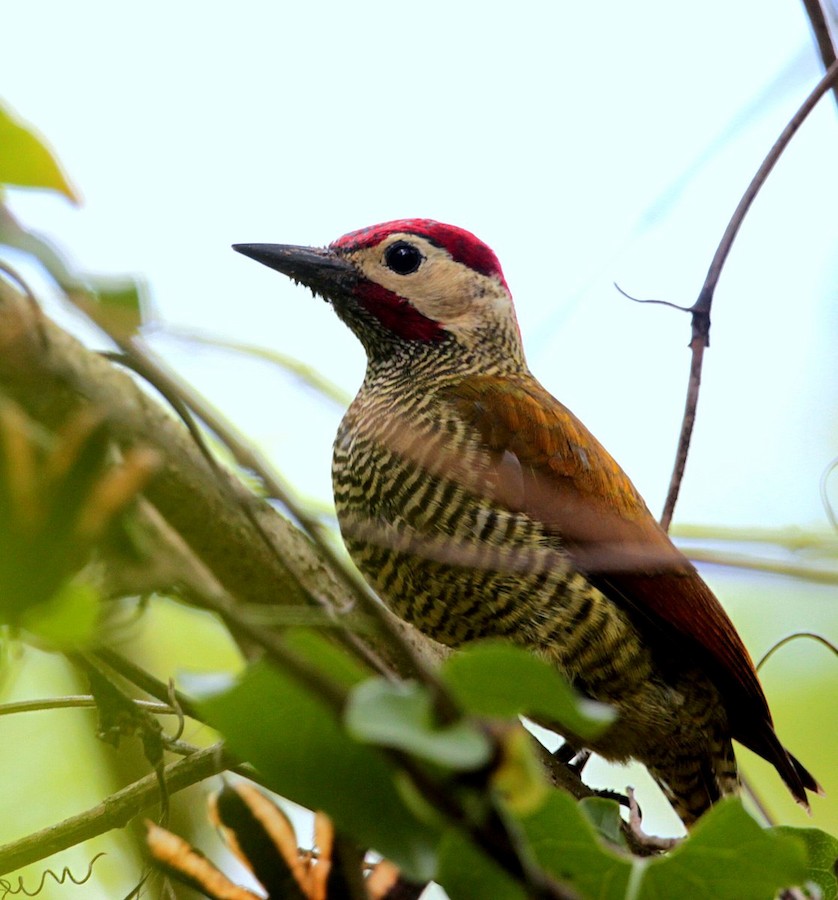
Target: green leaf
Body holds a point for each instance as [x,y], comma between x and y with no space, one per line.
[295,741]
[466,873]
[604,815]
[728,856]
[497,679]
[25,161]
[331,659]
[400,714]
[822,853]
[565,845]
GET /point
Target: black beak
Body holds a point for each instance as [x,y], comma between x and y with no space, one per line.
[320,269]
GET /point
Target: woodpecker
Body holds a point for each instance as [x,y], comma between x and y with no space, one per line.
[477,506]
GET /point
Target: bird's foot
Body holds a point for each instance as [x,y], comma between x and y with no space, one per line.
[635,822]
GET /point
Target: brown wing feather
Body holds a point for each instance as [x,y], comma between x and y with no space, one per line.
[568,481]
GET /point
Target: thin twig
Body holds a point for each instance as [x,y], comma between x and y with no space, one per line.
[78,701]
[796,539]
[701,308]
[824,488]
[306,374]
[114,812]
[823,38]
[738,217]
[809,635]
[762,808]
[815,574]
[652,301]
[687,424]
[145,681]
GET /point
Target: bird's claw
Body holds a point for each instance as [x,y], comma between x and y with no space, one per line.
[635,822]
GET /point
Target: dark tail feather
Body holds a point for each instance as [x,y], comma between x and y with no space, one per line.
[797,777]
[806,778]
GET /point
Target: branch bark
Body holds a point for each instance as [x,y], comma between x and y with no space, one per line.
[700,310]
[52,375]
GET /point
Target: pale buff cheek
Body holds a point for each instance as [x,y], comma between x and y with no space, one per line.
[462,299]
[442,289]
[489,309]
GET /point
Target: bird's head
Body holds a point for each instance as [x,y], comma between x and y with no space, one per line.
[410,284]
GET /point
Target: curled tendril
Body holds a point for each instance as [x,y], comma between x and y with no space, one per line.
[788,639]
[8,889]
[668,303]
[824,487]
[175,704]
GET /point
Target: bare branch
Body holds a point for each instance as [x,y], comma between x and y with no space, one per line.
[820,27]
[701,308]
[305,374]
[805,572]
[77,701]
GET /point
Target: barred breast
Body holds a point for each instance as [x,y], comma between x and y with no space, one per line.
[413,500]
[422,521]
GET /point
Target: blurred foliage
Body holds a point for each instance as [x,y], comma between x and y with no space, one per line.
[304,374]
[60,497]
[311,760]
[496,679]
[290,735]
[26,161]
[805,554]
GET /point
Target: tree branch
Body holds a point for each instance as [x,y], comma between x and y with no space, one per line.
[114,812]
[820,28]
[52,375]
[700,310]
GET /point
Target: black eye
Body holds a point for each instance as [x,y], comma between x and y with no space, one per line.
[402,258]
